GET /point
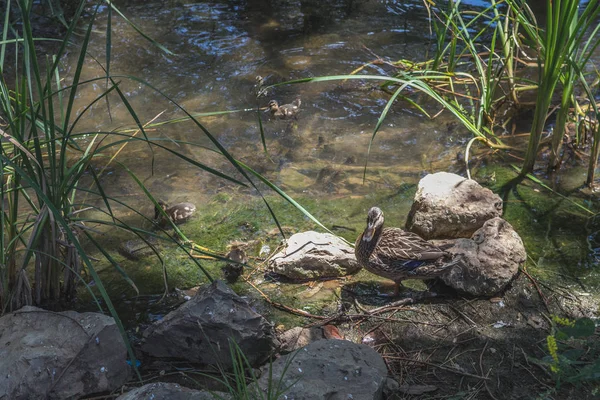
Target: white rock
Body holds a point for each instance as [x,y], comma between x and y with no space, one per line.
[449,206]
[311,255]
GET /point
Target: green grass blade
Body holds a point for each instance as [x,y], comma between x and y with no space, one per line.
[138,30]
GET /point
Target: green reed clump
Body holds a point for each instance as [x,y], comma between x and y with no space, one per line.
[564,46]
[480,70]
[51,187]
[490,44]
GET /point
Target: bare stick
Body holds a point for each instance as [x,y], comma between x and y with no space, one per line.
[286,308]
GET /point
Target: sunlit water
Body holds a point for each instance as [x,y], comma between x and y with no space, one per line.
[218,50]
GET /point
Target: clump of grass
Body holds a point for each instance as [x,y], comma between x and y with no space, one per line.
[477,72]
[49,181]
[564,47]
[242,382]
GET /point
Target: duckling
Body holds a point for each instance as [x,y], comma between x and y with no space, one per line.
[178,213]
[398,255]
[232,271]
[284,111]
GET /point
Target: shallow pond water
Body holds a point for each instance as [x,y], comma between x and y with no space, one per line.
[218,49]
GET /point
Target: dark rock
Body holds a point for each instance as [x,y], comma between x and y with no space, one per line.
[490,259]
[200,330]
[311,255]
[450,206]
[66,355]
[329,369]
[170,391]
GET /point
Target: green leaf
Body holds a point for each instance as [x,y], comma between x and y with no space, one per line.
[584,327]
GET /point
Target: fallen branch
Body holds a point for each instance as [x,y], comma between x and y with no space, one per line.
[286,308]
[544,299]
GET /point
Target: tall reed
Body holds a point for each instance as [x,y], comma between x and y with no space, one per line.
[559,47]
[45,210]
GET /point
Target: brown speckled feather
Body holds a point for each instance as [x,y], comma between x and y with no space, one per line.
[396,244]
[396,254]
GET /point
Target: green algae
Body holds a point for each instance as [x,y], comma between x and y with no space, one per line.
[244,218]
[554,232]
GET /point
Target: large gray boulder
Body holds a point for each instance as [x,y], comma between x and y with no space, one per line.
[60,355]
[490,259]
[449,206]
[329,369]
[170,391]
[312,255]
[200,330]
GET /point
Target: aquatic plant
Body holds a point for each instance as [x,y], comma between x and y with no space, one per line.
[573,352]
[480,67]
[564,46]
[56,206]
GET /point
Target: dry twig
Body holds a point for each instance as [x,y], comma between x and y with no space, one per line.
[544,299]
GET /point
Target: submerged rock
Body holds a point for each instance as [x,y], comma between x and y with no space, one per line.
[311,255]
[60,355]
[449,206]
[170,391]
[328,369]
[136,249]
[200,330]
[490,259]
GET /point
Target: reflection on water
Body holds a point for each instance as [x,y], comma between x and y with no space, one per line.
[220,47]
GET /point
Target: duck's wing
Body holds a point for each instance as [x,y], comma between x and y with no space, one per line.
[397,245]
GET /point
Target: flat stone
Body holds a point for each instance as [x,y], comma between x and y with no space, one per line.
[329,369]
[449,206]
[60,355]
[312,255]
[201,330]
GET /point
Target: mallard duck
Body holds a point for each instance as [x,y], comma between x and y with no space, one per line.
[178,213]
[284,111]
[396,254]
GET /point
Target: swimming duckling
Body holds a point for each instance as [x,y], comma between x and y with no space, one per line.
[178,213]
[284,111]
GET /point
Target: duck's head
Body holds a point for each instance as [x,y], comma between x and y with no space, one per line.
[273,105]
[374,222]
[161,205]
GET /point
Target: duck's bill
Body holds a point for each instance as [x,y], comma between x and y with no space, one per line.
[368,234]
